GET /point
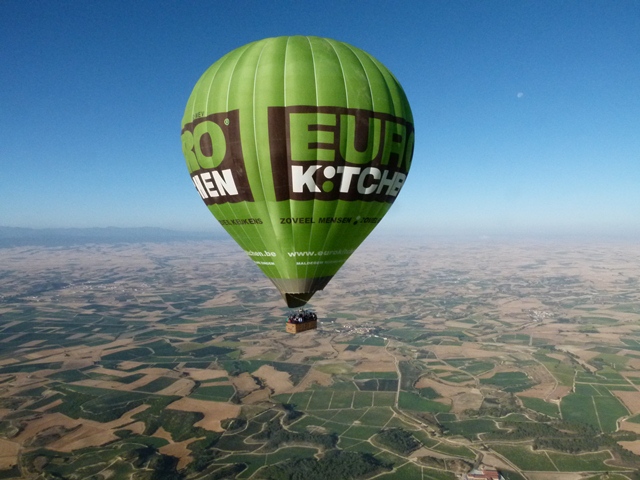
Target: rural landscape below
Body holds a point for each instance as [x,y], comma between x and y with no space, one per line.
[431,358]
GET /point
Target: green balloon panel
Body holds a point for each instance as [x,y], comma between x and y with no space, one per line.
[298,146]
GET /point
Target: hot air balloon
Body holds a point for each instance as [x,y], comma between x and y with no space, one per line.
[298,146]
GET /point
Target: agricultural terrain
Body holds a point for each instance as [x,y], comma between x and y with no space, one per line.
[171,361]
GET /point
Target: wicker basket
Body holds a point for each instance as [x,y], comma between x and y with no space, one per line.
[301,327]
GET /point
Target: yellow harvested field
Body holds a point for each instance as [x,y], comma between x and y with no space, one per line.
[445,390]
[514,307]
[81,433]
[244,383]
[32,343]
[175,449]
[493,461]
[49,406]
[314,377]
[585,355]
[257,396]
[633,446]
[543,391]
[162,433]
[381,365]
[8,454]
[466,401]
[109,371]
[277,381]
[158,371]
[468,350]
[214,412]
[135,427]
[630,426]
[109,384]
[129,365]
[44,422]
[199,374]
[84,436]
[559,392]
[631,400]
[554,476]
[180,451]
[460,398]
[181,387]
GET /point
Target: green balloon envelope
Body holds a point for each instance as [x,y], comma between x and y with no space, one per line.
[298,146]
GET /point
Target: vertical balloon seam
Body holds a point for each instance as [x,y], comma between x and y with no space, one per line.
[361,203]
[250,240]
[331,232]
[264,207]
[221,66]
[213,208]
[192,101]
[293,269]
[257,150]
[301,206]
[246,238]
[314,269]
[382,206]
[279,269]
[379,207]
[365,206]
[404,103]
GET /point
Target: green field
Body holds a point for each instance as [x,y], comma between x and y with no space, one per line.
[583,462]
[510,381]
[380,375]
[525,458]
[601,412]
[97,404]
[384,399]
[217,393]
[412,401]
[456,377]
[563,371]
[376,341]
[518,338]
[479,367]
[341,399]
[455,450]
[539,405]
[320,400]
[363,399]
[598,320]
[470,428]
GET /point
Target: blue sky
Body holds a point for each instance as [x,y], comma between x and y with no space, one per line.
[527,113]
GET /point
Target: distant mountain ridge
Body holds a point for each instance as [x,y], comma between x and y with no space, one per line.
[17,236]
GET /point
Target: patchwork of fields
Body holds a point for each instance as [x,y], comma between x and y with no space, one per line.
[118,360]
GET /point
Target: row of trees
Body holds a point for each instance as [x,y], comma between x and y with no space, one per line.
[333,464]
[275,435]
[398,440]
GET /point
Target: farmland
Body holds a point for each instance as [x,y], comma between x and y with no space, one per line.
[130,358]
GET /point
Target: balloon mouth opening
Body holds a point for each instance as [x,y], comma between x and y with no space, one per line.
[298,291]
[296,300]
